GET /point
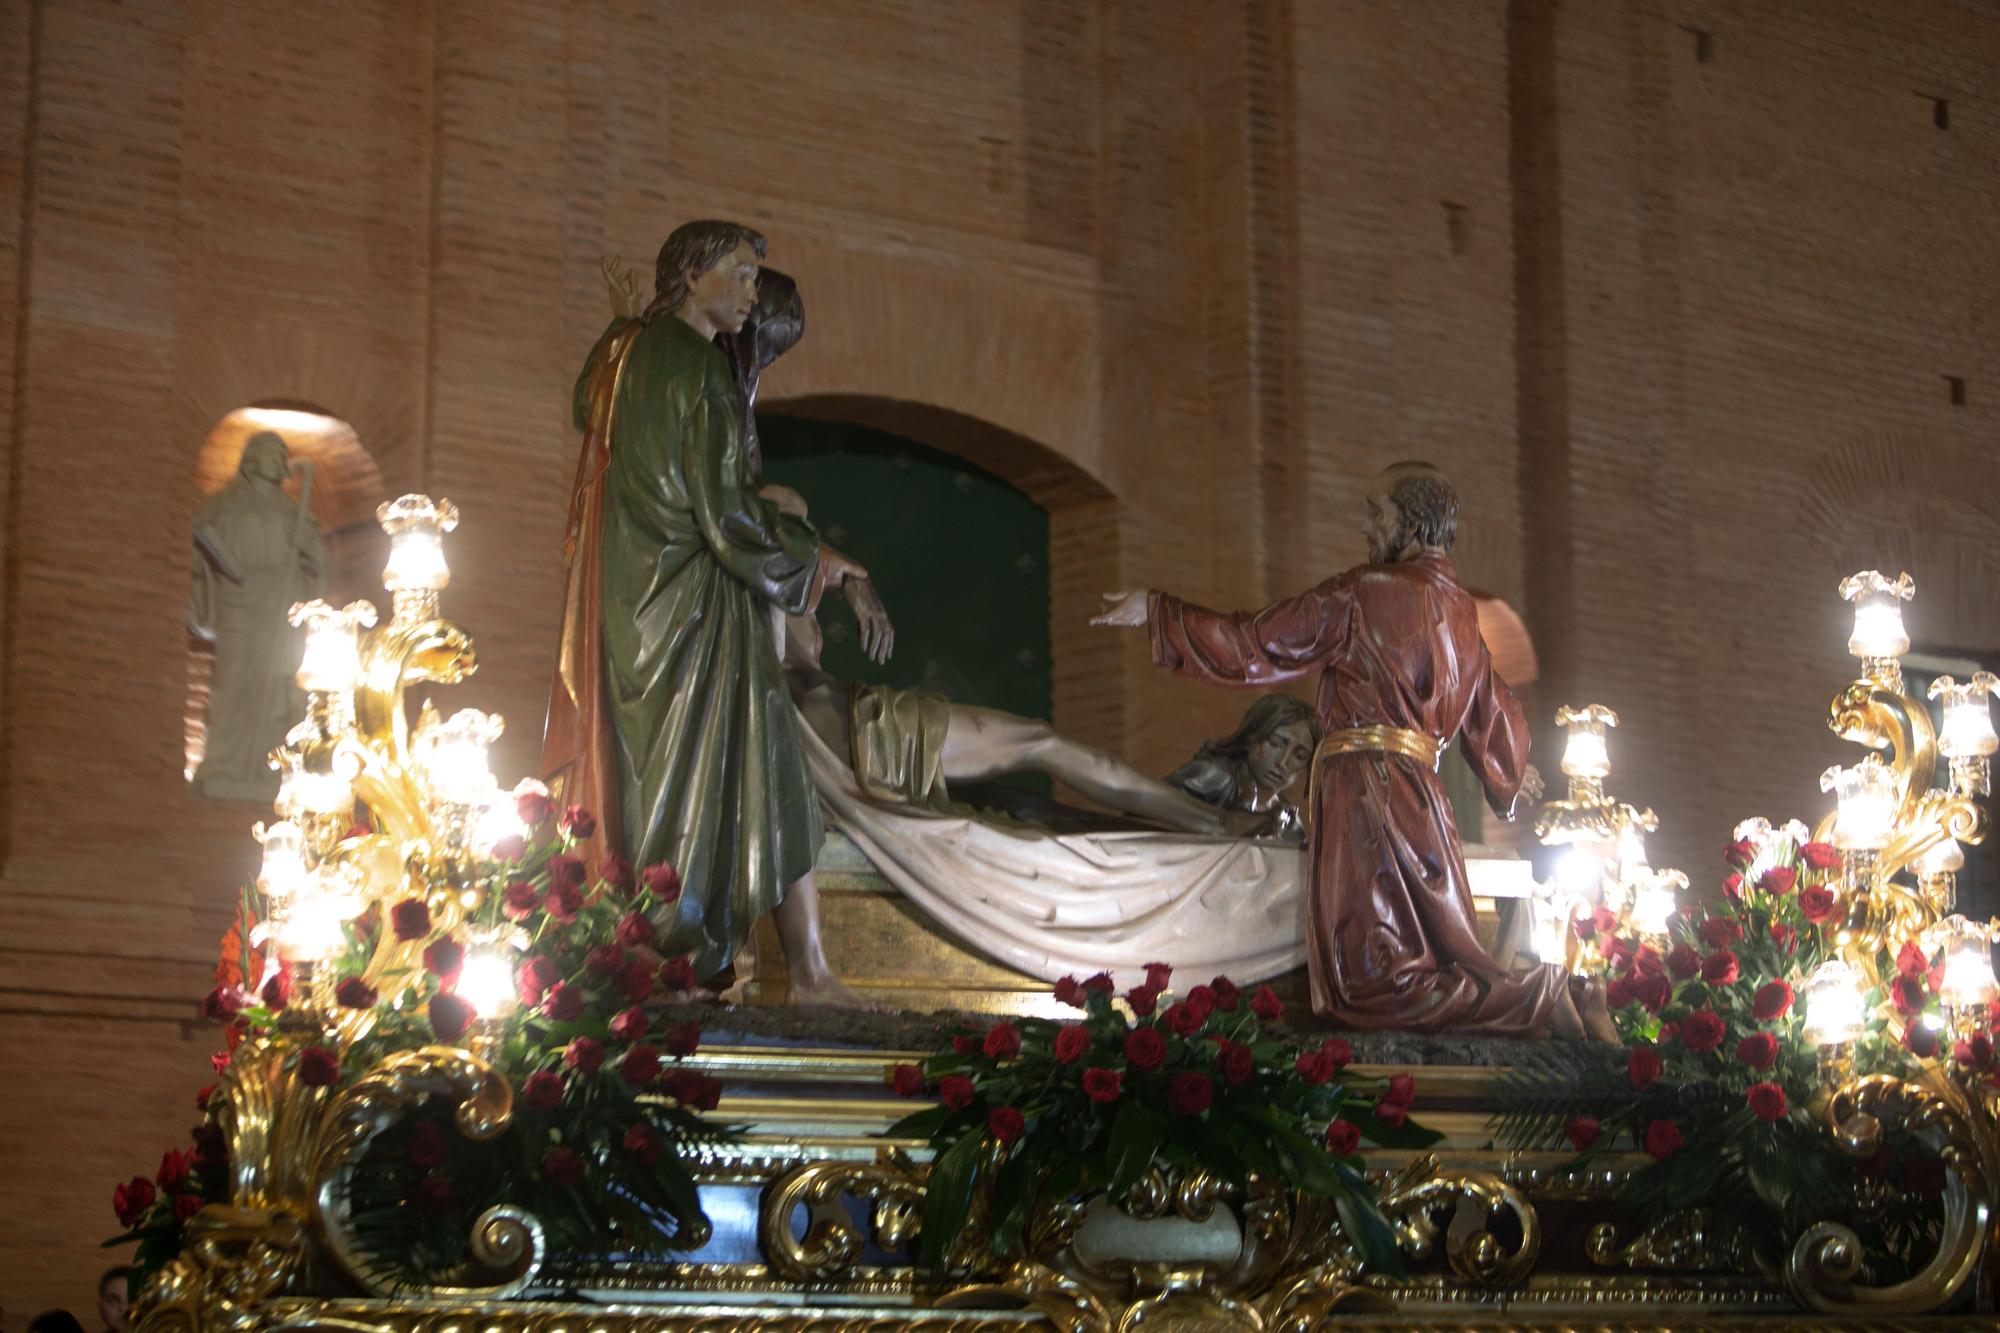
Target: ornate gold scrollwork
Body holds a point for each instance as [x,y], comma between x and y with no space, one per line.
[1827,1259]
[507,1244]
[1412,1204]
[831,1246]
[340,1317]
[234,1259]
[1680,1242]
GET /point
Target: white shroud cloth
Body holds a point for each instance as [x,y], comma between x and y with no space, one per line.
[1056,905]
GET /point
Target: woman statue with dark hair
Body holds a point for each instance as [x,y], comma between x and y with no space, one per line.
[1252,767]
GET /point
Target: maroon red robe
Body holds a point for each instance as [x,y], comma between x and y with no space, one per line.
[1390,939]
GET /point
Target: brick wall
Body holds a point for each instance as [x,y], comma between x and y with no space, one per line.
[1677,311]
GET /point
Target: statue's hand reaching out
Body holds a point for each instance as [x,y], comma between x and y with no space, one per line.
[878,637]
[1532,789]
[1125,610]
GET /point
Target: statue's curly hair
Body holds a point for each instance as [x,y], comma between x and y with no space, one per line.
[692,250]
[1427,502]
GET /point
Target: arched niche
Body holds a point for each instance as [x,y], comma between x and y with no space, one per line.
[346,485]
[1082,559]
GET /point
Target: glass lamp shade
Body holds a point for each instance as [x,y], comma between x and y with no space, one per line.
[1968,974]
[1866,792]
[284,868]
[1584,751]
[1834,1006]
[1967,732]
[312,930]
[1580,870]
[1943,857]
[1878,613]
[452,756]
[487,983]
[332,659]
[416,526]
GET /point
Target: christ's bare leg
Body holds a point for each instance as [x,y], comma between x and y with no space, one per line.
[984,743]
[812,978]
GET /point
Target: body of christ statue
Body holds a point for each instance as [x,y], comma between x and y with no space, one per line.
[1403,673]
[669,713]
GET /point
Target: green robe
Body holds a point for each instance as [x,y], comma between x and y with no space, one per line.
[711,773]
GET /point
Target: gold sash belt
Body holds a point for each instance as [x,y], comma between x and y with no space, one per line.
[1383,740]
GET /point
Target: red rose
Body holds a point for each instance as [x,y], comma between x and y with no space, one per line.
[1668,1031]
[1976,1052]
[566,872]
[629,1025]
[1767,1100]
[1237,1064]
[278,988]
[1201,999]
[1653,992]
[219,1061]
[1603,920]
[1099,983]
[174,1168]
[1618,951]
[1266,1005]
[132,1199]
[701,1092]
[1343,1138]
[1732,885]
[1402,1090]
[677,974]
[1817,903]
[443,958]
[1920,1040]
[1005,1123]
[640,1066]
[683,1040]
[1719,969]
[1909,994]
[1181,1020]
[1070,991]
[907,1080]
[1315,1067]
[964,1045]
[450,1016]
[956,1091]
[1702,1031]
[1338,1051]
[510,849]
[427,1145]
[604,961]
[1819,855]
[210,1148]
[1719,932]
[662,881]
[354,993]
[1003,1042]
[1648,963]
[635,983]
[616,872]
[1582,1131]
[1158,975]
[1618,992]
[1759,1050]
[1778,880]
[1102,1085]
[1924,1174]
[1912,961]
[578,822]
[584,1054]
[410,919]
[533,979]
[1584,928]
[1683,961]
[1189,1094]
[1642,1066]
[1772,1000]
[1071,1042]
[542,1091]
[224,1003]
[186,1206]
[643,1144]
[1143,999]
[534,807]
[318,1067]
[563,1003]
[1781,935]
[1227,997]
[201,1098]
[520,900]
[1740,853]
[1145,1048]
[1663,1139]
[635,930]
[562,1167]
[564,902]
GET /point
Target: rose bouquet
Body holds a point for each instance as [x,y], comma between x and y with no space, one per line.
[604,1108]
[1205,1081]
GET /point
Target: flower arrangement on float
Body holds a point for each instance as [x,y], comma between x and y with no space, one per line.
[431,995]
[1206,1082]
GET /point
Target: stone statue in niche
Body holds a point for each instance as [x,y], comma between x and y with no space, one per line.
[1403,672]
[255,554]
[1254,767]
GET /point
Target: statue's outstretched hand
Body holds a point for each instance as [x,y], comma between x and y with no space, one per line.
[1532,789]
[878,637]
[1124,610]
[623,287]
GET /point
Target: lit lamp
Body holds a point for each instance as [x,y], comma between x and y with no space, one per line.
[284,869]
[1879,638]
[451,756]
[486,982]
[1834,1010]
[1865,819]
[1967,738]
[416,572]
[1968,985]
[314,928]
[1937,872]
[1586,761]
[1656,900]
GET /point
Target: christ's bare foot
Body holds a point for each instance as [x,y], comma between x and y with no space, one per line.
[1596,1015]
[831,993]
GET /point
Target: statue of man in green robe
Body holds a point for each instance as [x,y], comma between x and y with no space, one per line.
[708,773]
